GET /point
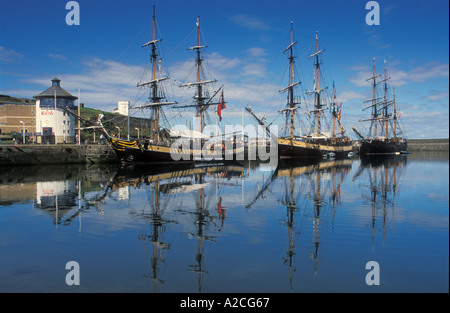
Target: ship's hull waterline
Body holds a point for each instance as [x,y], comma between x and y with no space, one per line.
[376,146]
[302,149]
[134,152]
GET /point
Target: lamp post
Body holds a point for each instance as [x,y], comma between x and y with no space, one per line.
[137,130]
[64,131]
[119,130]
[23,132]
[79,114]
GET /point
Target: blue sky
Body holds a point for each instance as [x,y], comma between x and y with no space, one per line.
[103,56]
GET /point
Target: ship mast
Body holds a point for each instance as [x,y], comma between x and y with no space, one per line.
[374,100]
[291,103]
[156,95]
[385,100]
[201,95]
[291,90]
[155,86]
[334,112]
[198,61]
[317,90]
[395,119]
[374,108]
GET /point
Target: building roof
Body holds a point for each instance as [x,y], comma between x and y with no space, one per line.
[55,88]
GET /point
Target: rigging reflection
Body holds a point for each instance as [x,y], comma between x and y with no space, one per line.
[57,190]
[168,186]
[193,200]
[309,187]
[384,175]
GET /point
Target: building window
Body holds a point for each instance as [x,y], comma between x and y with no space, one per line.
[60,103]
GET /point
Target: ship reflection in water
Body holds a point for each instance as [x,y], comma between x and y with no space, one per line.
[299,227]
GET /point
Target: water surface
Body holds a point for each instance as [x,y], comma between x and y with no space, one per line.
[300,227]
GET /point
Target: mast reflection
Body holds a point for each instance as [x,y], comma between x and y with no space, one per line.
[384,173]
[58,190]
[168,188]
[314,192]
[309,188]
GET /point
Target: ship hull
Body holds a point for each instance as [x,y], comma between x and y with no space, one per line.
[374,147]
[313,149]
[135,152]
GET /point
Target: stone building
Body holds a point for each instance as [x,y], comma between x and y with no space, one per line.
[53,123]
[17,115]
[123,107]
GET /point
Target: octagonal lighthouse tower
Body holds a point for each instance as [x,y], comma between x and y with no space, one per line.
[53,123]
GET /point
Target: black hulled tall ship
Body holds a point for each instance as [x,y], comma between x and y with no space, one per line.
[385,133]
[318,143]
[164,147]
[216,147]
[157,148]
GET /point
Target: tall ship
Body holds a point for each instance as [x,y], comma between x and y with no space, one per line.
[385,134]
[228,149]
[164,145]
[317,143]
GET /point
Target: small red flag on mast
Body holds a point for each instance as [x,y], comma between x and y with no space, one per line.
[221,106]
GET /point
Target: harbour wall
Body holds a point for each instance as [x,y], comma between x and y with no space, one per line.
[418,145]
[56,154]
[101,153]
[428,144]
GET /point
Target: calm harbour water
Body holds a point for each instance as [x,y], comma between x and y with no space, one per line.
[304,227]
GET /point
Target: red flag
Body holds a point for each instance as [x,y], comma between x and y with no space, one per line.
[220,107]
[339,113]
[220,210]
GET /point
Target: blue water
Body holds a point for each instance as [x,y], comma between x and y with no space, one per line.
[297,228]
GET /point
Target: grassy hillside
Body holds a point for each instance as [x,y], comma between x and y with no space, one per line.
[113,120]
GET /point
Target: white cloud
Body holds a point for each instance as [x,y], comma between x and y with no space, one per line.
[436,95]
[8,55]
[433,124]
[254,69]
[256,52]
[221,62]
[102,82]
[57,56]
[347,96]
[250,22]
[20,92]
[400,77]
[428,71]
[239,76]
